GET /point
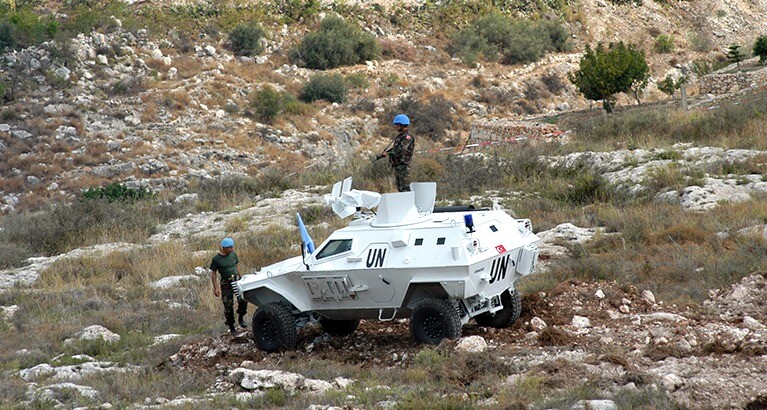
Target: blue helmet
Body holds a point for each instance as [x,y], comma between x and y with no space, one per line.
[227,243]
[401,119]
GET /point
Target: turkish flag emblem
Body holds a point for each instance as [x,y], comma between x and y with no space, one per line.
[500,249]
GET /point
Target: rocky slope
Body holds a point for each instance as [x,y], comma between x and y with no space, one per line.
[133,107]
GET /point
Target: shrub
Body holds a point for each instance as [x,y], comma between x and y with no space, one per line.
[245,40]
[700,41]
[358,80]
[7,37]
[398,49]
[667,85]
[553,82]
[430,116]
[30,29]
[518,41]
[664,44]
[325,87]
[267,104]
[297,10]
[337,43]
[117,192]
[760,48]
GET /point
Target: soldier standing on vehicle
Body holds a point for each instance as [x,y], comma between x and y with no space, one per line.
[225,263]
[401,152]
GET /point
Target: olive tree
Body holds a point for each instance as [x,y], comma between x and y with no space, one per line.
[606,71]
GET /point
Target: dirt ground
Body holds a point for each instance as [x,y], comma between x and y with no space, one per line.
[613,335]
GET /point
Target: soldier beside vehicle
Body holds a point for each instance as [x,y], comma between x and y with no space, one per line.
[225,263]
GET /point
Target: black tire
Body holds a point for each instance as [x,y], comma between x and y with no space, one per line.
[512,308]
[433,320]
[274,328]
[339,327]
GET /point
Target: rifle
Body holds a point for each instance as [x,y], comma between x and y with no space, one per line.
[384,152]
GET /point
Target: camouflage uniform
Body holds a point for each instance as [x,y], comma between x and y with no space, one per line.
[399,156]
[227,269]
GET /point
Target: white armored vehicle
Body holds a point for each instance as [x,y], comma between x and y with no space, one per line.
[439,267]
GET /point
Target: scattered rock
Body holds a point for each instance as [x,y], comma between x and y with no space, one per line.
[537,324]
[472,344]
[672,382]
[581,322]
[170,282]
[98,332]
[595,405]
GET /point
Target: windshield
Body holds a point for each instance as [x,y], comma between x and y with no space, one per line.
[334,247]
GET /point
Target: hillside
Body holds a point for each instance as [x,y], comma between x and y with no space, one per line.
[650,290]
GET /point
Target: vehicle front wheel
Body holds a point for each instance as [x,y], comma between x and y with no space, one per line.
[339,327]
[433,320]
[512,308]
[274,328]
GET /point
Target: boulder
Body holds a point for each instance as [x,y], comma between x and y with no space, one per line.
[471,344]
[98,332]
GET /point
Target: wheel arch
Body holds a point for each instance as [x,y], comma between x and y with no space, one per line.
[266,294]
[419,291]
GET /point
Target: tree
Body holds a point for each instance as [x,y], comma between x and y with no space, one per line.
[604,72]
[668,86]
[760,48]
[735,55]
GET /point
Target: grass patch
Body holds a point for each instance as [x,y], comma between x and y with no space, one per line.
[738,124]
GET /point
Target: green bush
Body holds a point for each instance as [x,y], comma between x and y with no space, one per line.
[667,85]
[296,10]
[518,41]
[664,44]
[760,48]
[31,29]
[267,104]
[358,80]
[468,45]
[430,116]
[337,43]
[117,192]
[325,87]
[7,36]
[245,40]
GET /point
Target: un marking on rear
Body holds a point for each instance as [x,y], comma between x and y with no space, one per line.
[498,270]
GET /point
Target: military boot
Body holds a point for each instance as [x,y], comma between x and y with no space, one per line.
[242,322]
[232,330]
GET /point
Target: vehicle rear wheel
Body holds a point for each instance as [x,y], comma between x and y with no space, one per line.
[274,328]
[433,320]
[339,327]
[512,308]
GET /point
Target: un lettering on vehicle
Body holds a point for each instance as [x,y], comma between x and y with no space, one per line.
[375,258]
[499,268]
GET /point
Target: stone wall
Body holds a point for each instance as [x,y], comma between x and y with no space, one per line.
[494,130]
[732,82]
